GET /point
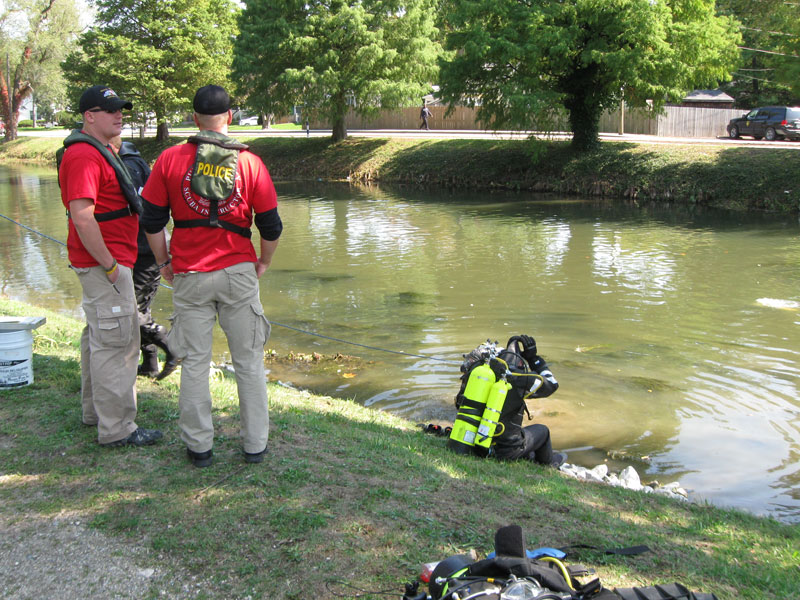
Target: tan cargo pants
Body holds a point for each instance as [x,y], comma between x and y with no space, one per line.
[199,298]
[109,353]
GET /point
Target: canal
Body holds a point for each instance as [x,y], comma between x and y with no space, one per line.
[673,332]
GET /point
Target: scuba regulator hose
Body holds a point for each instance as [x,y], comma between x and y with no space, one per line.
[530,394]
[561,567]
[508,372]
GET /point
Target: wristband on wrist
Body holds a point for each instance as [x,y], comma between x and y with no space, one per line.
[164,264]
[113,268]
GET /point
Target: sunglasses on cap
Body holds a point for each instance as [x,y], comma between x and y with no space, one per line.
[110,111]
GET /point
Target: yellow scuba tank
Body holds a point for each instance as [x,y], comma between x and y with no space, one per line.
[470,411]
[491,416]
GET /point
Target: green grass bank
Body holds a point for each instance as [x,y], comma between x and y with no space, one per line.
[738,178]
[348,498]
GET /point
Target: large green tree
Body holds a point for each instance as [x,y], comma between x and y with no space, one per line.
[769,66]
[518,60]
[156,52]
[34,37]
[330,55]
[790,73]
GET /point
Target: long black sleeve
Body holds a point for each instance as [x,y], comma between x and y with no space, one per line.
[269,224]
[154,218]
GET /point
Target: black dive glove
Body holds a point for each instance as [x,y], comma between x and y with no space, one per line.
[528,349]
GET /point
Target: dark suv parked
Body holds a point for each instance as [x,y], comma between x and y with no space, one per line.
[770,122]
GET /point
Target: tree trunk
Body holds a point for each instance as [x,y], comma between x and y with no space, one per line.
[12,98]
[9,119]
[584,131]
[584,120]
[162,131]
[583,89]
[340,110]
[339,129]
[11,128]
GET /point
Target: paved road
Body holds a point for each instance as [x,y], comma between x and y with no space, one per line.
[467,135]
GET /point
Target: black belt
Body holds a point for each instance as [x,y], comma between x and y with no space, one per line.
[111,215]
[186,223]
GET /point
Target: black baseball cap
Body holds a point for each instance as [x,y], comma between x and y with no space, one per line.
[104,97]
[211,100]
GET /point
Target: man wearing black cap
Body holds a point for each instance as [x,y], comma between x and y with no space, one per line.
[214,188]
[102,206]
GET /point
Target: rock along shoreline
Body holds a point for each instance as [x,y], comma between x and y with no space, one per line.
[628,478]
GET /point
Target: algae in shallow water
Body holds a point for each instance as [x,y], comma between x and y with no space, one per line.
[410,298]
[652,385]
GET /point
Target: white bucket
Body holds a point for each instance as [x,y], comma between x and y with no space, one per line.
[16,358]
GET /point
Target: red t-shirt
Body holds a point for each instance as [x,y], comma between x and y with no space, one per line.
[84,173]
[209,248]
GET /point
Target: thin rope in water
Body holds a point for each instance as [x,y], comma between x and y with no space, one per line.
[44,235]
[319,335]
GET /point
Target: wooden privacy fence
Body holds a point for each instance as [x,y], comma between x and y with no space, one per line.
[677,121]
[462,118]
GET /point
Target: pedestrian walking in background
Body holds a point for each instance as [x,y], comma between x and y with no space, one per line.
[424,114]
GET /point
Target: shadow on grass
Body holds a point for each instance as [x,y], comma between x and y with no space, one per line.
[349,494]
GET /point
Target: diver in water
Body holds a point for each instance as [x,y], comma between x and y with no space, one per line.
[496,383]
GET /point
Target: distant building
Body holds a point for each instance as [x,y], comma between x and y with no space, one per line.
[431,99]
[26,109]
[708,99]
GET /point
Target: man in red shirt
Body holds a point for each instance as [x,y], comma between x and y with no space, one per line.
[215,189]
[102,204]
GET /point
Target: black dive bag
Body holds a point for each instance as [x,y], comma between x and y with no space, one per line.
[511,575]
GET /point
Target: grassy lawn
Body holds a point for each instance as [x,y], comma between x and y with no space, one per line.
[739,178]
[348,498]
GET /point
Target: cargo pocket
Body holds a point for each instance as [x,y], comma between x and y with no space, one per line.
[116,324]
[262,327]
[175,339]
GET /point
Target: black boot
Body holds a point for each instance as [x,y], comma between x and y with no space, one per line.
[158,335]
[149,366]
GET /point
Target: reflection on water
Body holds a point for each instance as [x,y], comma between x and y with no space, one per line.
[673,333]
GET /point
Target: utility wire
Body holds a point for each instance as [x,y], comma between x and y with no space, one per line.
[768,52]
[767,31]
[743,75]
[327,337]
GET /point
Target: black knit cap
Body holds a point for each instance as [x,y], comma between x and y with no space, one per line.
[102,96]
[211,100]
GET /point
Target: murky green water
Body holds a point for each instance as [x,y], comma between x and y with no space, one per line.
[674,335]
